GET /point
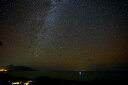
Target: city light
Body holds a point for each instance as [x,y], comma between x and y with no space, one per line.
[21,83]
[16,83]
[2,70]
[27,83]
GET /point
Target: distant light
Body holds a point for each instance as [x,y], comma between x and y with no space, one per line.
[27,83]
[21,83]
[2,70]
[15,83]
[80,73]
[5,70]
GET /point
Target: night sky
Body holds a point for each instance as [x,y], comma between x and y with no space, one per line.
[65,34]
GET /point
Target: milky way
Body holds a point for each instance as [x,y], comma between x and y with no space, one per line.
[65,34]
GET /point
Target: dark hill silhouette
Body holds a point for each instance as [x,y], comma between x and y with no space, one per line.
[18,68]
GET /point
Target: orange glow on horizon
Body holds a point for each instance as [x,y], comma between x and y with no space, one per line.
[2,69]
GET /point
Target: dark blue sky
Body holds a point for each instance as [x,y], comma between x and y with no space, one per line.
[71,34]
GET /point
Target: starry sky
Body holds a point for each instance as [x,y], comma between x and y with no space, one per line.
[64,34]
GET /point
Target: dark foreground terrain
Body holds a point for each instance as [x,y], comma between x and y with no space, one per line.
[6,79]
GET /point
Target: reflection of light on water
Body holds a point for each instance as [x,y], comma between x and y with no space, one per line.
[80,75]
